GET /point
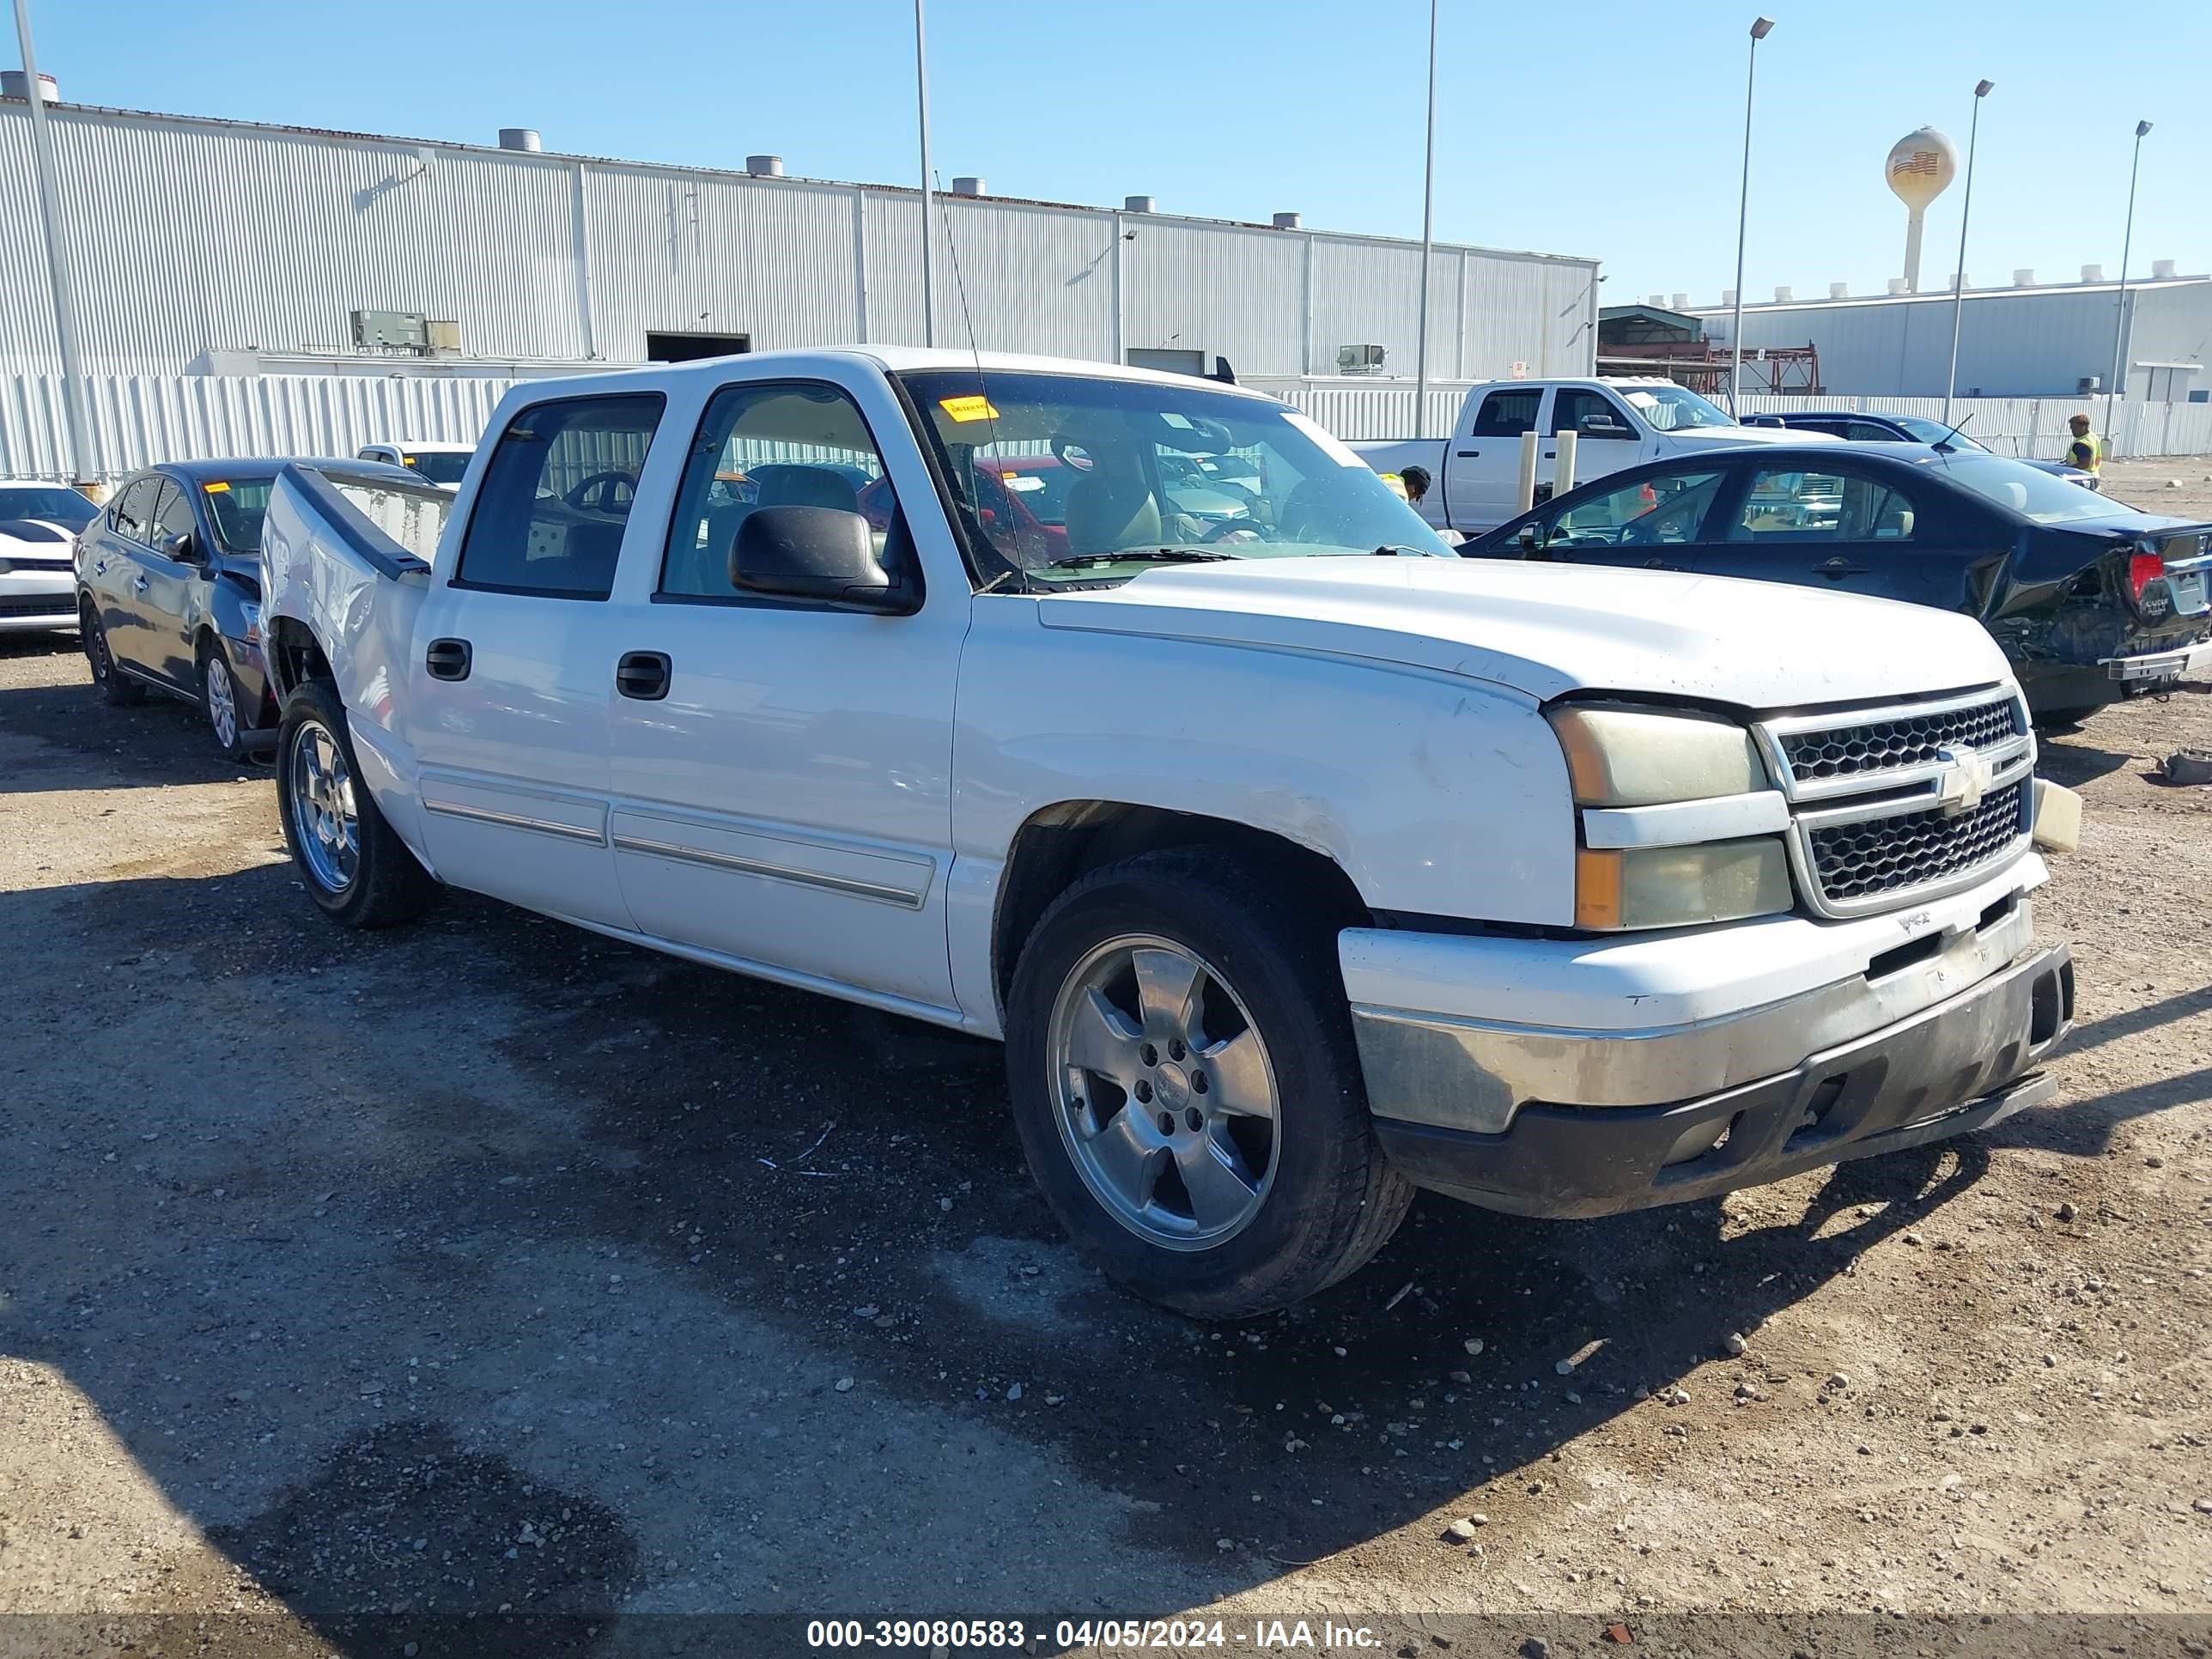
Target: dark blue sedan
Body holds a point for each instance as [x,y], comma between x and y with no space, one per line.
[1857,426]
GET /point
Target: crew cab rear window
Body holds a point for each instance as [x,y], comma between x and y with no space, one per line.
[769,443]
[549,513]
[1508,414]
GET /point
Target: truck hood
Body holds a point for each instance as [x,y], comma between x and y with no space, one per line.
[1548,629]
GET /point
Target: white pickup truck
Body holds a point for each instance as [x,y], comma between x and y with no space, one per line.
[1475,474]
[1298,862]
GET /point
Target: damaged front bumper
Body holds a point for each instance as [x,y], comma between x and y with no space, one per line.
[1888,1032]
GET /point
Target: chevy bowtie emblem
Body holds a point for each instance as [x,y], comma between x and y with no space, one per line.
[1965,779]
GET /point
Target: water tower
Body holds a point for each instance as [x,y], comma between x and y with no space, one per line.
[1920,165]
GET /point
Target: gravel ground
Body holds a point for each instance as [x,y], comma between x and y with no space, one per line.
[356,1285]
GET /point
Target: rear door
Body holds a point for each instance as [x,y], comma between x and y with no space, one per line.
[513,664]
[1483,471]
[119,573]
[1839,525]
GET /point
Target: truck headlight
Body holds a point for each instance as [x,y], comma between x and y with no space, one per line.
[1631,887]
[1623,756]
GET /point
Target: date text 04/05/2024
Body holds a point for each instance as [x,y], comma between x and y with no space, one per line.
[1138,1634]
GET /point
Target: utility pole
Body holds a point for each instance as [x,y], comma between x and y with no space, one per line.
[1428,220]
[1760,27]
[1959,272]
[57,274]
[2120,316]
[928,196]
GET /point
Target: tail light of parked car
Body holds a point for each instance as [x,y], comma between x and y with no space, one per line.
[2143,569]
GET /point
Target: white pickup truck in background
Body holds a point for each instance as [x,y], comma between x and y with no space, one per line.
[1298,862]
[1475,474]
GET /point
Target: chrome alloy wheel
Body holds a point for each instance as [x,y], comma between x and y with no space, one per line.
[324,824]
[222,700]
[1164,1092]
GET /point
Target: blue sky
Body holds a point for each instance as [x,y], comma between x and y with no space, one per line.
[1611,129]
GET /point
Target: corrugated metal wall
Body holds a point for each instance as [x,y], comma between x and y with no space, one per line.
[2025,343]
[189,236]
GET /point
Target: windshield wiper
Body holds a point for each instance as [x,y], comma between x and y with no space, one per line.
[1139,555]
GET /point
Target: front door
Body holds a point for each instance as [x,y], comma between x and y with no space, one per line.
[1482,472]
[514,662]
[164,586]
[1605,442]
[1836,527]
[1653,523]
[782,769]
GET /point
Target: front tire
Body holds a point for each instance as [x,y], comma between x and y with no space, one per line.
[351,861]
[1187,1088]
[219,703]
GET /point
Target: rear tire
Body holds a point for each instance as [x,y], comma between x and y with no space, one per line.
[116,688]
[351,861]
[1180,1015]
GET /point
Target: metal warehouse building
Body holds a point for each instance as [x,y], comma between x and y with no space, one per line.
[209,247]
[2026,341]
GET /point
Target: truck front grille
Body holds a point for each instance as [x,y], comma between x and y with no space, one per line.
[1895,805]
[1915,850]
[1899,740]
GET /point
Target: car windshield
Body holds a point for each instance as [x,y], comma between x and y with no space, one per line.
[236,506]
[1674,408]
[2045,497]
[1128,472]
[438,467]
[49,503]
[1935,432]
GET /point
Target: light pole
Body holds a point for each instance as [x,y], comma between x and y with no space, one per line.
[1428,207]
[928,200]
[1959,270]
[58,271]
[1760,27]
[2120,311]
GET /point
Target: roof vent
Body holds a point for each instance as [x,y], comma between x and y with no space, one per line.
[1288,221]
[765,166]
[1728,297]
[1839,290]
[521,138]
[1782,296]
[1959,279]
[1681,302]
[2093,273]
[1899,285]
[2024,277]
[13,85]
[1139,204]
[968,184]
[2161,268]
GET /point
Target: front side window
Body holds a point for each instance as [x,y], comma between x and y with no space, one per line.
[131,514]
[172,515]
[1787,505]
[1074,478]
[1674,408]
[1572,406]
[1665,510]
[557,495]
[770,443]
[1508,414]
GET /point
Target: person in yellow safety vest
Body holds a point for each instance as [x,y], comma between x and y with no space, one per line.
[2085,449]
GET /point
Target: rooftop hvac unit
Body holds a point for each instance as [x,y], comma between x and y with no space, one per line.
[522,138]
[2093,273]
[765,166]
[442,337]
[1140,204]
[1782,296]
[2089,383]
[1288,221]
[2161,269]
[1359,359]
[1899,285]
[1839,290]
[2024,277]
[13,83]
[968,184]
[1681,302]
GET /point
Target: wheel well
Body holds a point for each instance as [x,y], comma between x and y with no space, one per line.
[1059,845]
[295,657]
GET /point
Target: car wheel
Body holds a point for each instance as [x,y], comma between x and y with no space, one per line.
[1187,1089]
[218,702]
[353,862]
[116,688]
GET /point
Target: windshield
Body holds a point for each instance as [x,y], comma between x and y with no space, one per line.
[49,502]
[1935,432]
[2045,497]
[438,467]
[1674,408]
[236,506]
[1059,473]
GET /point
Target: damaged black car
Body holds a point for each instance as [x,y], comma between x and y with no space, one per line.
[2092,599]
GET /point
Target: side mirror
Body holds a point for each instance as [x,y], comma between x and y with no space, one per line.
[184,548]
[1602,426]
[1531,539]
[823,554]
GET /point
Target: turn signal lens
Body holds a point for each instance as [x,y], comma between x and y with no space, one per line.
[1636,887]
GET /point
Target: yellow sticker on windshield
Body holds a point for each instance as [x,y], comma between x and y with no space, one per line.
[216,487]
[968,409]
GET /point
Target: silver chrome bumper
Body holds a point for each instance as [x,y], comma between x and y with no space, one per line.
[2186,663]
[1459,1072]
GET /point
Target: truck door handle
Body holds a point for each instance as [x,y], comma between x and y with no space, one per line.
[1550,454]
[1467,454]
[448,659]
[644,675]
[1838,567]
[139,585]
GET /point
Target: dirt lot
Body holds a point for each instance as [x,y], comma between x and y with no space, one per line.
[486,1268]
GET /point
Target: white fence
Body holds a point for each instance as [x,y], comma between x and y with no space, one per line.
[138,419]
